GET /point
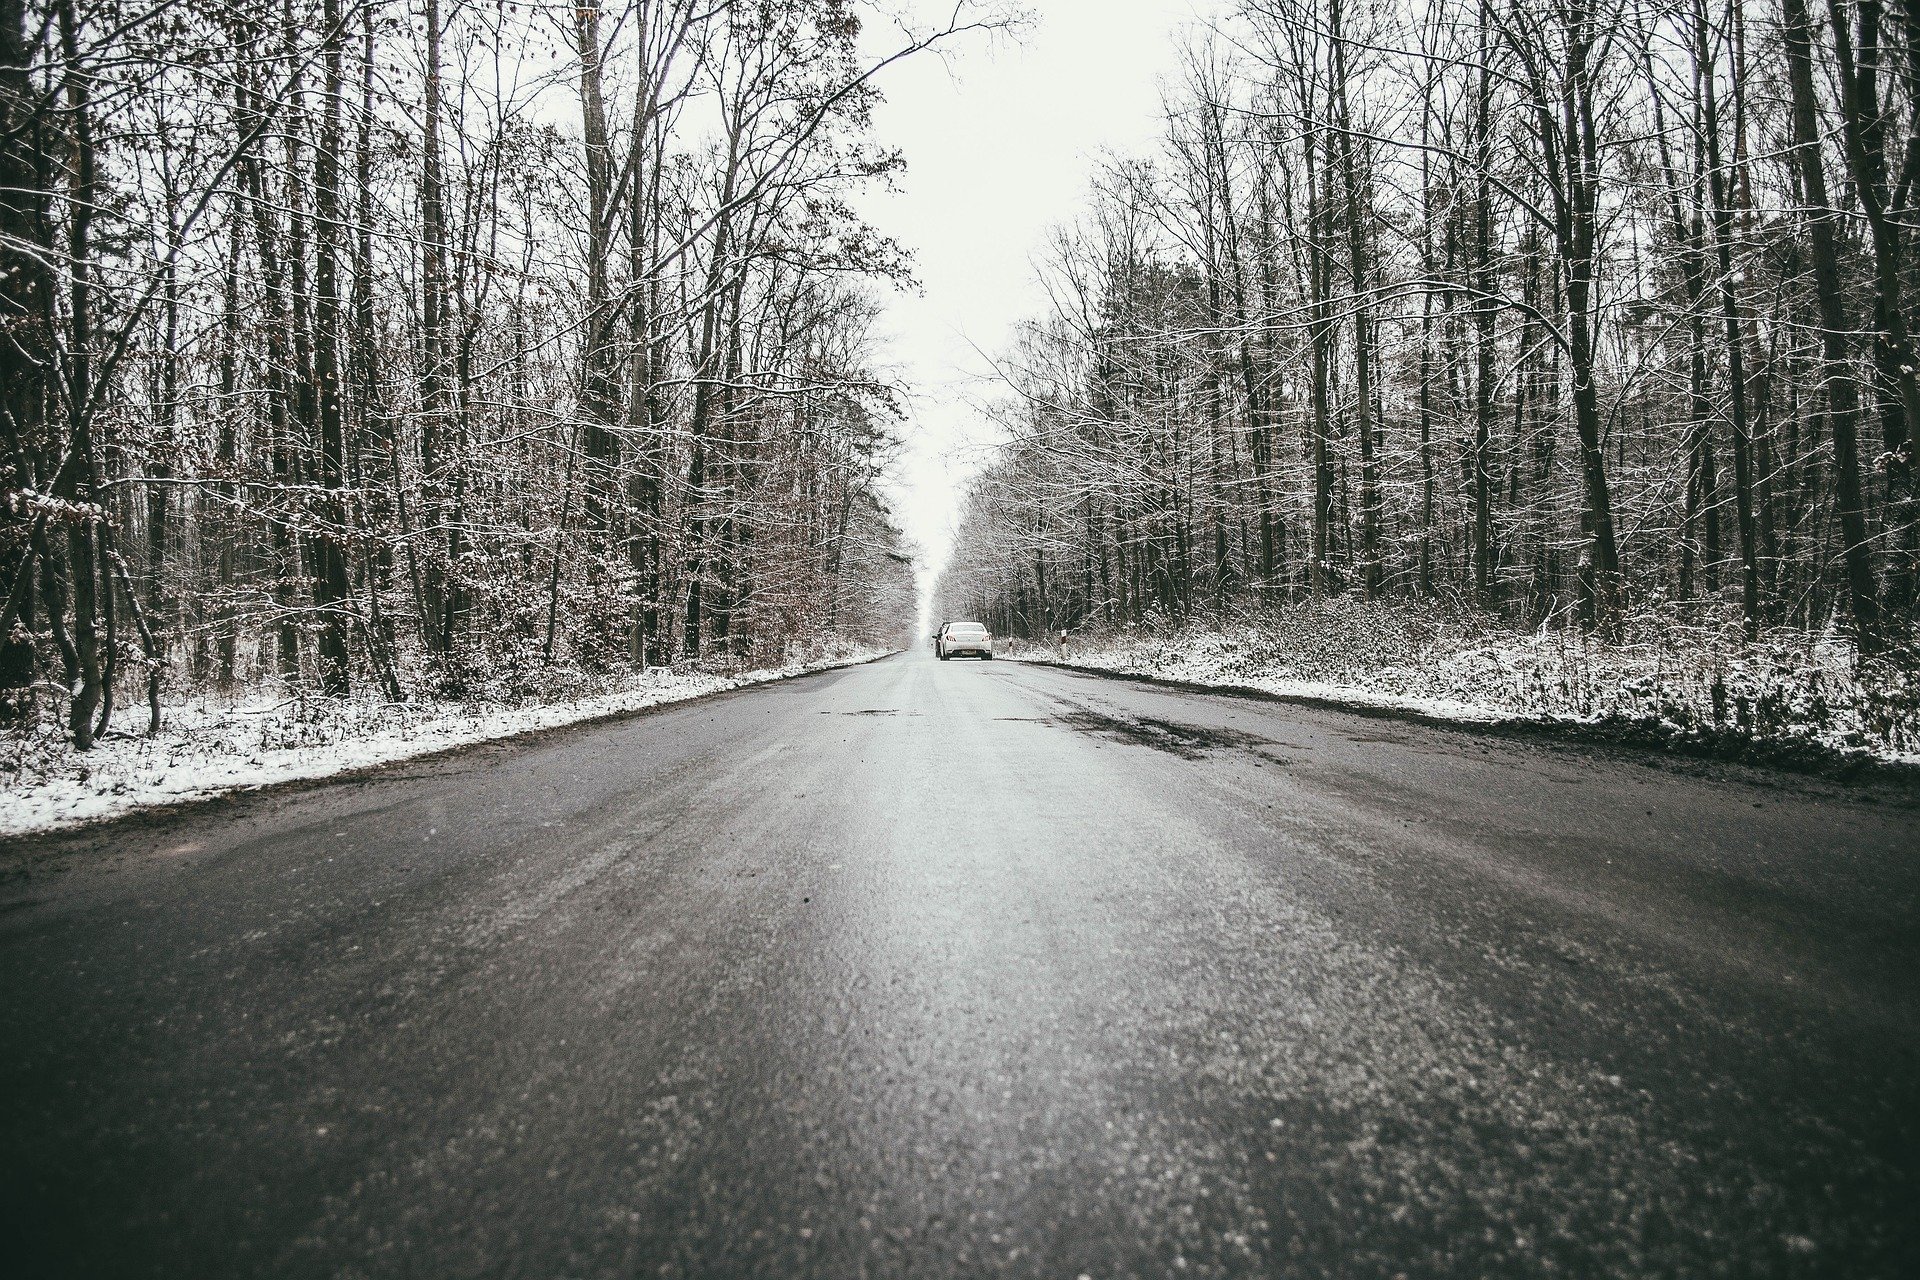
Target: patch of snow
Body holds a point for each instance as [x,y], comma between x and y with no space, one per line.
[205,750]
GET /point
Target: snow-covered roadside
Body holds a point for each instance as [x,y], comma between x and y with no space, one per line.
[1777,699]
[206,750]
[1196,669]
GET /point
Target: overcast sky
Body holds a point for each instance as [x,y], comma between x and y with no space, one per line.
[1001,140]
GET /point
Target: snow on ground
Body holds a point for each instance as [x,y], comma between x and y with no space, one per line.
[206,748]
[1700,685]
[1205,663]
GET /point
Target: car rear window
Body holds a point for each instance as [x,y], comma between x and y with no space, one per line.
[966,629]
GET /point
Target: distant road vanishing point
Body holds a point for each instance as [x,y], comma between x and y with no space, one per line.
[924,969]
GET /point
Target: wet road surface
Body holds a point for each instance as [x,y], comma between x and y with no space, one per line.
[924,969]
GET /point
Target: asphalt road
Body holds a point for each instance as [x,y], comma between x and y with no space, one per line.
[924,969]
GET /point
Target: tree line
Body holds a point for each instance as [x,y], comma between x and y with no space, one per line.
[435,347]
[1564,310]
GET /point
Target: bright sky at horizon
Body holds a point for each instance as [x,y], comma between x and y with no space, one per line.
[1001,139]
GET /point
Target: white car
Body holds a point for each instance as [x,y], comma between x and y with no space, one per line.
[957,638]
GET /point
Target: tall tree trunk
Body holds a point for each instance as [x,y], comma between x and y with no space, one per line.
[1722,219]
[435,584]
[1485,310]
[1358,212]
[1841,392]
[330,587]
[26,307]
[82,546]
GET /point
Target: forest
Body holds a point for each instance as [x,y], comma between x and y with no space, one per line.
[1590,316]
[358,349]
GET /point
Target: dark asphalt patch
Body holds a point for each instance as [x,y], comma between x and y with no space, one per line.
[1188,741]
